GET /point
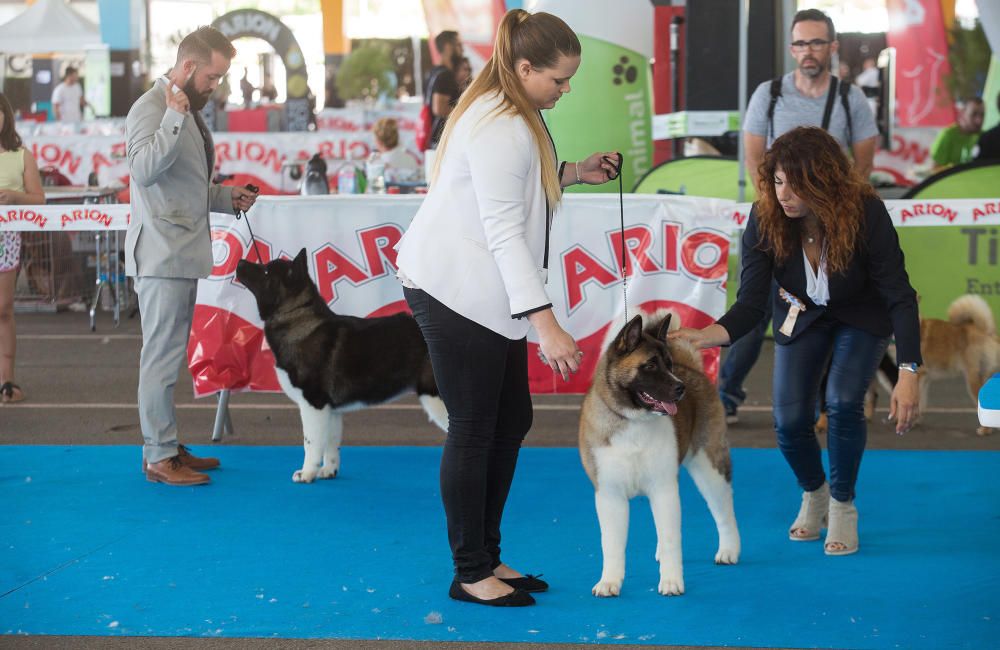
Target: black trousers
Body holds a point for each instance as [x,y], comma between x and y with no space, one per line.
[483,380]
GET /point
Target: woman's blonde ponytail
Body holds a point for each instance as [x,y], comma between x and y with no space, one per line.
[540,38]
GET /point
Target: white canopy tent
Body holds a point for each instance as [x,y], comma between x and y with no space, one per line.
[48,26]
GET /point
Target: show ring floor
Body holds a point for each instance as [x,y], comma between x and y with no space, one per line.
[90,548]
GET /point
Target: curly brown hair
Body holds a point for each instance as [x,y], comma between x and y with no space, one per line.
[821,175]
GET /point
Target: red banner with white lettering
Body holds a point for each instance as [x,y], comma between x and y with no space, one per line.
[677,257]
[916,30]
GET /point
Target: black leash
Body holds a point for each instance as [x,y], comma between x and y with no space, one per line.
[621,214]
[241,214]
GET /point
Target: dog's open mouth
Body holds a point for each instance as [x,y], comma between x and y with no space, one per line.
[670,408]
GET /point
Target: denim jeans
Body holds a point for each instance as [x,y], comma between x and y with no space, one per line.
[740,359]
[483,380]
[853,355]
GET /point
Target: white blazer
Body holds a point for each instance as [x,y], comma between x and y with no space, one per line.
[478,240]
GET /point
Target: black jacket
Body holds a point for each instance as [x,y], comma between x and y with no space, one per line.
[872,294]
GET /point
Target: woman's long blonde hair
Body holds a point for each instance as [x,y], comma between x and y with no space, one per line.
[541,39]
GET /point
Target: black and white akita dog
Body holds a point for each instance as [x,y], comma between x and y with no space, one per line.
[330,364]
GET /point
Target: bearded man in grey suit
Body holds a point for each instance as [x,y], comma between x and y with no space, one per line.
[168,245]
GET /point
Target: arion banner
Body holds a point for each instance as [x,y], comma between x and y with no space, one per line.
[677,247]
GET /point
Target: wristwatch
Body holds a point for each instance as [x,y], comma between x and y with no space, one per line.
[909,367]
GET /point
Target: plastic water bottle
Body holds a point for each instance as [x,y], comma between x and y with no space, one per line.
[375,169]
[345,179]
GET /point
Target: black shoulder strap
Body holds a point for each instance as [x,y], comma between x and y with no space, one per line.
[845,101]
[429,91]
[831,94]
[775,94]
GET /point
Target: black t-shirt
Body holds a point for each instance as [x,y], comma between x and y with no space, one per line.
[989,144]
[442,81]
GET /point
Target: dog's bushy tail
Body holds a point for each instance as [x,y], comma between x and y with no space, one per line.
[972,309]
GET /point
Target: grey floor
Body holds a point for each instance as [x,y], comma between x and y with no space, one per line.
[81,390]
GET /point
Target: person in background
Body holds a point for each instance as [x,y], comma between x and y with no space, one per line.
[386,132]
[67,98]
[168,245]
[246,89]
[989,141]
[463,74]
[20,184]
[869,76]
[268,93]
[496,186]
[956,144]
[441,89]
[802,97]
[819,231]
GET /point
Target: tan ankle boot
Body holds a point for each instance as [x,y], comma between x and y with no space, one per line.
[812,515]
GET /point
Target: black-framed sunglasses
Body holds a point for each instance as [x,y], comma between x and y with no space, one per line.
[814,44]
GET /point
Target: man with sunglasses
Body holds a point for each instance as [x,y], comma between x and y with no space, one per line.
[808,96]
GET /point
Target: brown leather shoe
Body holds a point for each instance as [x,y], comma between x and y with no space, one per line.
[190,460]
[173,471]
[194,462]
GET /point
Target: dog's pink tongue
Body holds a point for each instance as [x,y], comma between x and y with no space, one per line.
[669,407]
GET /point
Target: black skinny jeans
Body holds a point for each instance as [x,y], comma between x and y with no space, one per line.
[483,379]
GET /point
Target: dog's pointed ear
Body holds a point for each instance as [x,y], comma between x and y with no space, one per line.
[661,334]
[628,339]
[301,262]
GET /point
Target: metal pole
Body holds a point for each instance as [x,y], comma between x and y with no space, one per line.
[742,99]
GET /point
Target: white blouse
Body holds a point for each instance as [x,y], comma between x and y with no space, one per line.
[817,284]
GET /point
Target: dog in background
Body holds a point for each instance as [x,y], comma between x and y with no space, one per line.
[330,364]
[650,409]
[965,345]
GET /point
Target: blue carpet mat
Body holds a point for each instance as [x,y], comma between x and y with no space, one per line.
[88,547]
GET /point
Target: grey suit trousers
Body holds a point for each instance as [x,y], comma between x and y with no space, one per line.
[166,306]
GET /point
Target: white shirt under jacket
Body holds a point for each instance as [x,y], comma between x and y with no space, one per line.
[477,242]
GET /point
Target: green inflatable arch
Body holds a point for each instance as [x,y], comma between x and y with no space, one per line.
[974,180]
[711,176]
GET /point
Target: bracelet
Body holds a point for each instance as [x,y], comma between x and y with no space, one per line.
[577,165]
[909,367]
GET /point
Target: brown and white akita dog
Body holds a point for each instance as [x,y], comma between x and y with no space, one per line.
[650,409]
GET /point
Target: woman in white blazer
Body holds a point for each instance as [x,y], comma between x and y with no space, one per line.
[473,266]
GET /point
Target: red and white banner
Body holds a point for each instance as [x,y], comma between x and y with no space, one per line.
[98,217]
[258,158]
[908,161]
[64,218]
[678,250]
[916,30]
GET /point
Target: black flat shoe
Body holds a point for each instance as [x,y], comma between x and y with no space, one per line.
[527,583]
[516,598]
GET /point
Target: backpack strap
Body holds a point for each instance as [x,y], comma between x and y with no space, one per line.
[845,91]
[831,94]
[431,79]
[775,94]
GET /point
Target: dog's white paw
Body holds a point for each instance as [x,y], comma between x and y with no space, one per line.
[727,556]
[671,586]
[304,476]
[328,471]
[606,588]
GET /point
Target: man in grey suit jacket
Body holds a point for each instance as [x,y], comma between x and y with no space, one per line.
[168,245]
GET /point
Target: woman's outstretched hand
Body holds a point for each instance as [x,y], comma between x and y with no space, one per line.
[709,337]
